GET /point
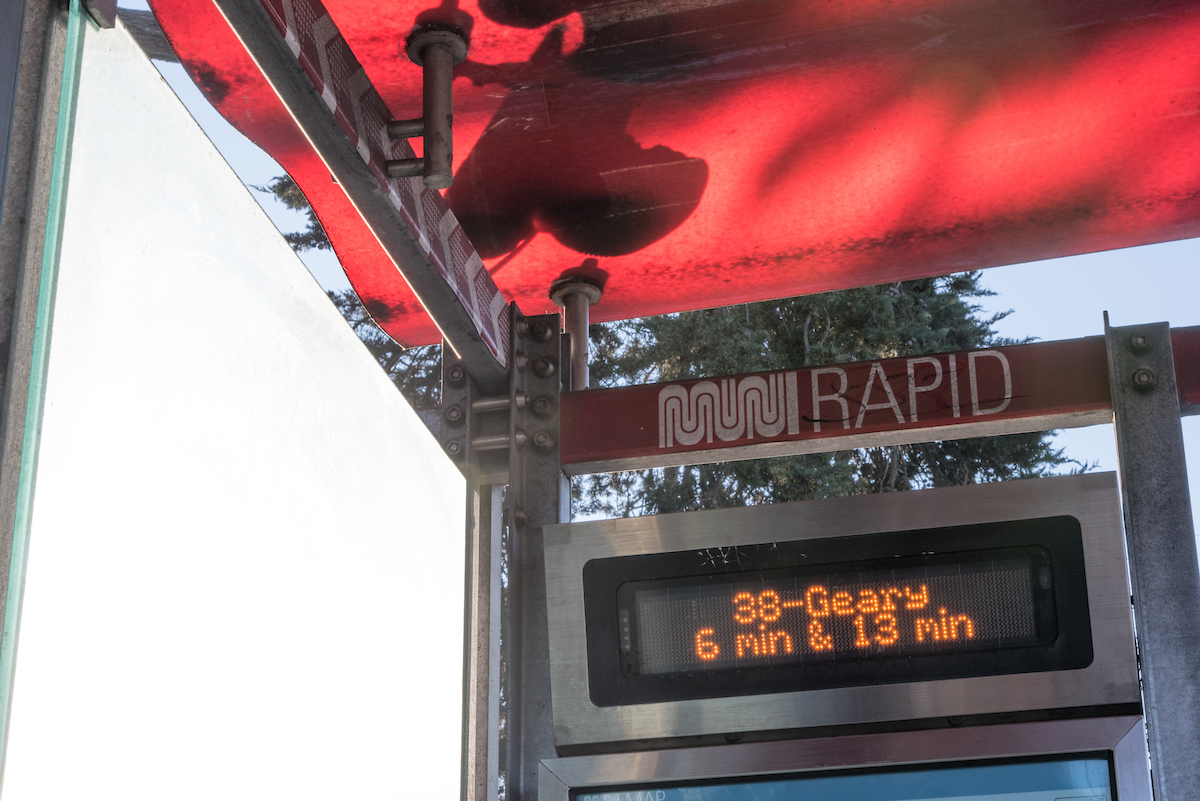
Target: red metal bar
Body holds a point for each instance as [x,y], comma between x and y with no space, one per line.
[1018,388]
[1185,343]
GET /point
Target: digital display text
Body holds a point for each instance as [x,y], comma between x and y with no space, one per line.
[833,613]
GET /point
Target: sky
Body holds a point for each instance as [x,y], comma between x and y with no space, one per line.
[1054,299]
[1066,298]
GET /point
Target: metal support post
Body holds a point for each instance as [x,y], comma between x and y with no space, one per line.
[1162,550]
[464,419]
[507,723]
[538,495]
[481,645]
[576,296]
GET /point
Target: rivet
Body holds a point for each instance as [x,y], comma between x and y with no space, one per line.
[1143,380]
[1139,343]
[455,374]
[543,440]
[543,405]
[540,331]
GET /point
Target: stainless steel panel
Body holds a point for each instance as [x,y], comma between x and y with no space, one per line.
[1092,499]
[1132,762]
[1118,735]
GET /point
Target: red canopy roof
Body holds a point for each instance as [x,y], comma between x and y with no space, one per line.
[706,152]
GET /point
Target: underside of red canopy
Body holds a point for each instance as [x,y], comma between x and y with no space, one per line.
[695,153]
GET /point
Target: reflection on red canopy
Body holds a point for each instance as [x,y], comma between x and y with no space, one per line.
[709,152]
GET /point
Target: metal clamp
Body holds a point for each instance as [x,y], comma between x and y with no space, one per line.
[576,296]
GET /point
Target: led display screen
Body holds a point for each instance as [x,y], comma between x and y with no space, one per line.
[983,600]
[883,608]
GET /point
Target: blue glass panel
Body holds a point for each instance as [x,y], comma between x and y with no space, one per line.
[1058,780]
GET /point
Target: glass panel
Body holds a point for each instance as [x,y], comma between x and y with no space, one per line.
[1058,780]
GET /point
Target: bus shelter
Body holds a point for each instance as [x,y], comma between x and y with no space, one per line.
[480,165]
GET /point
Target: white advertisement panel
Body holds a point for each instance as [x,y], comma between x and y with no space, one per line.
[245,573]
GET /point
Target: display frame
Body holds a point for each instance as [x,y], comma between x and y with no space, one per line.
[1092,499]
[1123,738]
[1062,606]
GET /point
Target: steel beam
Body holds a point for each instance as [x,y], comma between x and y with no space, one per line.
[465,416]
[481,644]
[513,440]
[1162,549]
[538,495]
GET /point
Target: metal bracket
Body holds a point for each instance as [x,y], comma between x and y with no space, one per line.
[472,427]
[576,296]
[436,48]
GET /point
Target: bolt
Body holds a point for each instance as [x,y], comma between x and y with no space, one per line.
[518,515]
[540,331]
[543,406]
[544,367]
[456,374]
[454,415]
[1143,380]
[1139,343]
[446,34]
[543,441]
[454,447]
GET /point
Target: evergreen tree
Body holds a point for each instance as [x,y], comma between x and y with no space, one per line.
[417,372]
[313,236]
[910,318]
